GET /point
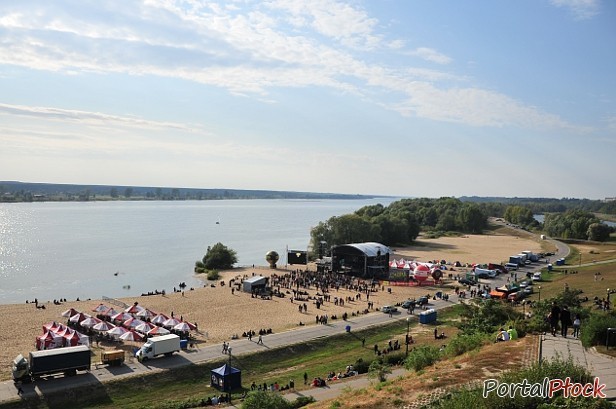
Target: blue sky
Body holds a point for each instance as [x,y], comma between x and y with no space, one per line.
[393,97]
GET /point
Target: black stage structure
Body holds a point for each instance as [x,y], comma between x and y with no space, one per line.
[365,260]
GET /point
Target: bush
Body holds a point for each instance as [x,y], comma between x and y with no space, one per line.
[213,275]
[421,357]
[362,366]
[594,330]
[264,399]
[379,370]
[462,343]
[394,359]
[302,401]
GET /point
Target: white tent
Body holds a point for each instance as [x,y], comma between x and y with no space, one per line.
[252,283]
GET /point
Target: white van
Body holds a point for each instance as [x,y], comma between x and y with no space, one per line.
[537,276]
[511,266]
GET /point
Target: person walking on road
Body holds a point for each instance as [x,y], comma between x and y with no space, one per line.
[260,341]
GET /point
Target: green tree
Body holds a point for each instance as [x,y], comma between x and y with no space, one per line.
[128,192]
[219,257]
[265,399]
[598,232]
[114,192]
[572,224]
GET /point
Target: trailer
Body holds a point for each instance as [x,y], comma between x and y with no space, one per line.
[52,361]
[516,260]
[162,345]
[114,357]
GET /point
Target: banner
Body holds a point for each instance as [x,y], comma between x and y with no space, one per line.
[297,257]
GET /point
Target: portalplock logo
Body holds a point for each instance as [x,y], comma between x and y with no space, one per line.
[546,389]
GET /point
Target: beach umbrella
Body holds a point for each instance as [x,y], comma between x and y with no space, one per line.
[89,322]
[131,336]
[171,322]
[110,312]
[78,317]
[134,309]
[132,322]
[117,331]
[190,325]
[103,326]
[160,319]
[121,317]
[182,326]
[70,312]
[144,327]
[158,331]
[101,308]
[146,314]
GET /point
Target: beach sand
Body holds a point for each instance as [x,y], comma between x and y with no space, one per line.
[219,314]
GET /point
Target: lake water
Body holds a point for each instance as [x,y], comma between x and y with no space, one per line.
[68,250]
[541,218]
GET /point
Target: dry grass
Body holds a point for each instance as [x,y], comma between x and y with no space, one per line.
[416,388]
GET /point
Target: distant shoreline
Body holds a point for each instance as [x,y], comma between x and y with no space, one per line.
[20,192]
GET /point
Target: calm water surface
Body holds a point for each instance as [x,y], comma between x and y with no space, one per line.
[70,250]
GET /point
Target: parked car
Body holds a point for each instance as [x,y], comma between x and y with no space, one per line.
[408,304]
[528,289]
[537,276]
[389,309]
[467,281]
[524,283]
[422,300]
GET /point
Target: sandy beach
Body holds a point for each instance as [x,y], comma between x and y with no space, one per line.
[221,314]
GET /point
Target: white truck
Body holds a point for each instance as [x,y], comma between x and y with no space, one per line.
[162,345]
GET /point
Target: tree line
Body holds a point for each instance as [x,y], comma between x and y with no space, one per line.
[399,223]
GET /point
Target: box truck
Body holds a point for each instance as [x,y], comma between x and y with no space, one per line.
[162,345]
[484,273]
[52,361]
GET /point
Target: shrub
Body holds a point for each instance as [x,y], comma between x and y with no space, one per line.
[379,370]
[594,330]
[264,399]
[213,275]
[362,366]
[394,359]
[462,343]
[302,401]
[421,357]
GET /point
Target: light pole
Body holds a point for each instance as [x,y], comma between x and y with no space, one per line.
[229,350]
[539,287]
[408,324]
[607,303]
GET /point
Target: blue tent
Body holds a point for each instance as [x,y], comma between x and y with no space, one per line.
[226,378]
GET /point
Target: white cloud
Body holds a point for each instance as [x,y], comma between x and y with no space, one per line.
[581,9]
[431,55]
[248,50]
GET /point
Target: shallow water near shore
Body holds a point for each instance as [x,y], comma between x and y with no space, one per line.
[118,249]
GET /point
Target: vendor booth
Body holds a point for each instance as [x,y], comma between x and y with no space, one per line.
[254,284]
[226,378]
